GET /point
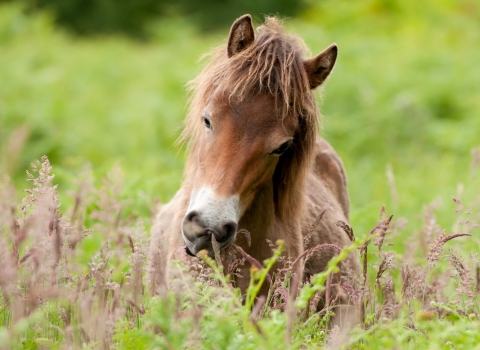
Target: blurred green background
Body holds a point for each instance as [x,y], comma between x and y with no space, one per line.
[102,83]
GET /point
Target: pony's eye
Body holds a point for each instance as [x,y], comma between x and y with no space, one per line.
[207,123]
[280,150]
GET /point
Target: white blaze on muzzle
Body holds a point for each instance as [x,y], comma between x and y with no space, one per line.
[209,214]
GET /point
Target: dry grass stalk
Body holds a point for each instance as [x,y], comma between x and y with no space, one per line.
[477,279]
[347,229]
[308,235]
[390,304]
[233,267]
[362,317]
[309,253]
[435,290]
[352,294]
[328,288]
[83,194]
[290,308]
[216,251]
[459,204]
[455,235]
[412,283]
[247,235]
[381,228]
[364,300]
[251,260]
[436,248]
[466,285]
[364,257]
[430,228]
[382,212]
[384,265]
[109,206]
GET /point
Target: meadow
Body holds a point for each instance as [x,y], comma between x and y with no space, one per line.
[402,108]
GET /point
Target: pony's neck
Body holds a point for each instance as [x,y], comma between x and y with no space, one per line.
[262,222]
[261,213]
[258,220]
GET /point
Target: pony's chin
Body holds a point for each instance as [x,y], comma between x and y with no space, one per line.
[188,251]
[211,253]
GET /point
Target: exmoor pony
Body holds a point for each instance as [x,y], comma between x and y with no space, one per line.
[255,161]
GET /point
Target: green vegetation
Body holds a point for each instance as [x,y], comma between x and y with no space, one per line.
[402,108]
[133,17]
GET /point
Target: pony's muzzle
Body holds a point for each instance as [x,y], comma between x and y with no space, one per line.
[197,233]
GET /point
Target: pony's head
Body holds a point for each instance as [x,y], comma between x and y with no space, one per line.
[252,123]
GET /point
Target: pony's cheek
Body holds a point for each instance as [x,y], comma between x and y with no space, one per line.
[262,179]
[269,169]
[245,202]
[204,153]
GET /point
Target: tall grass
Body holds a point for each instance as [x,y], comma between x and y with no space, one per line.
[59,292]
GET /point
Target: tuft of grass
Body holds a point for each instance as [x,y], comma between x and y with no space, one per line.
[54,291]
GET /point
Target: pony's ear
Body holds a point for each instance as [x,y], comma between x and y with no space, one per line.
[241,35]
[319,67]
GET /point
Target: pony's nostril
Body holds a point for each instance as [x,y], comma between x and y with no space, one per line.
[192,226]
[227,232]
[198,232]
[192,216]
